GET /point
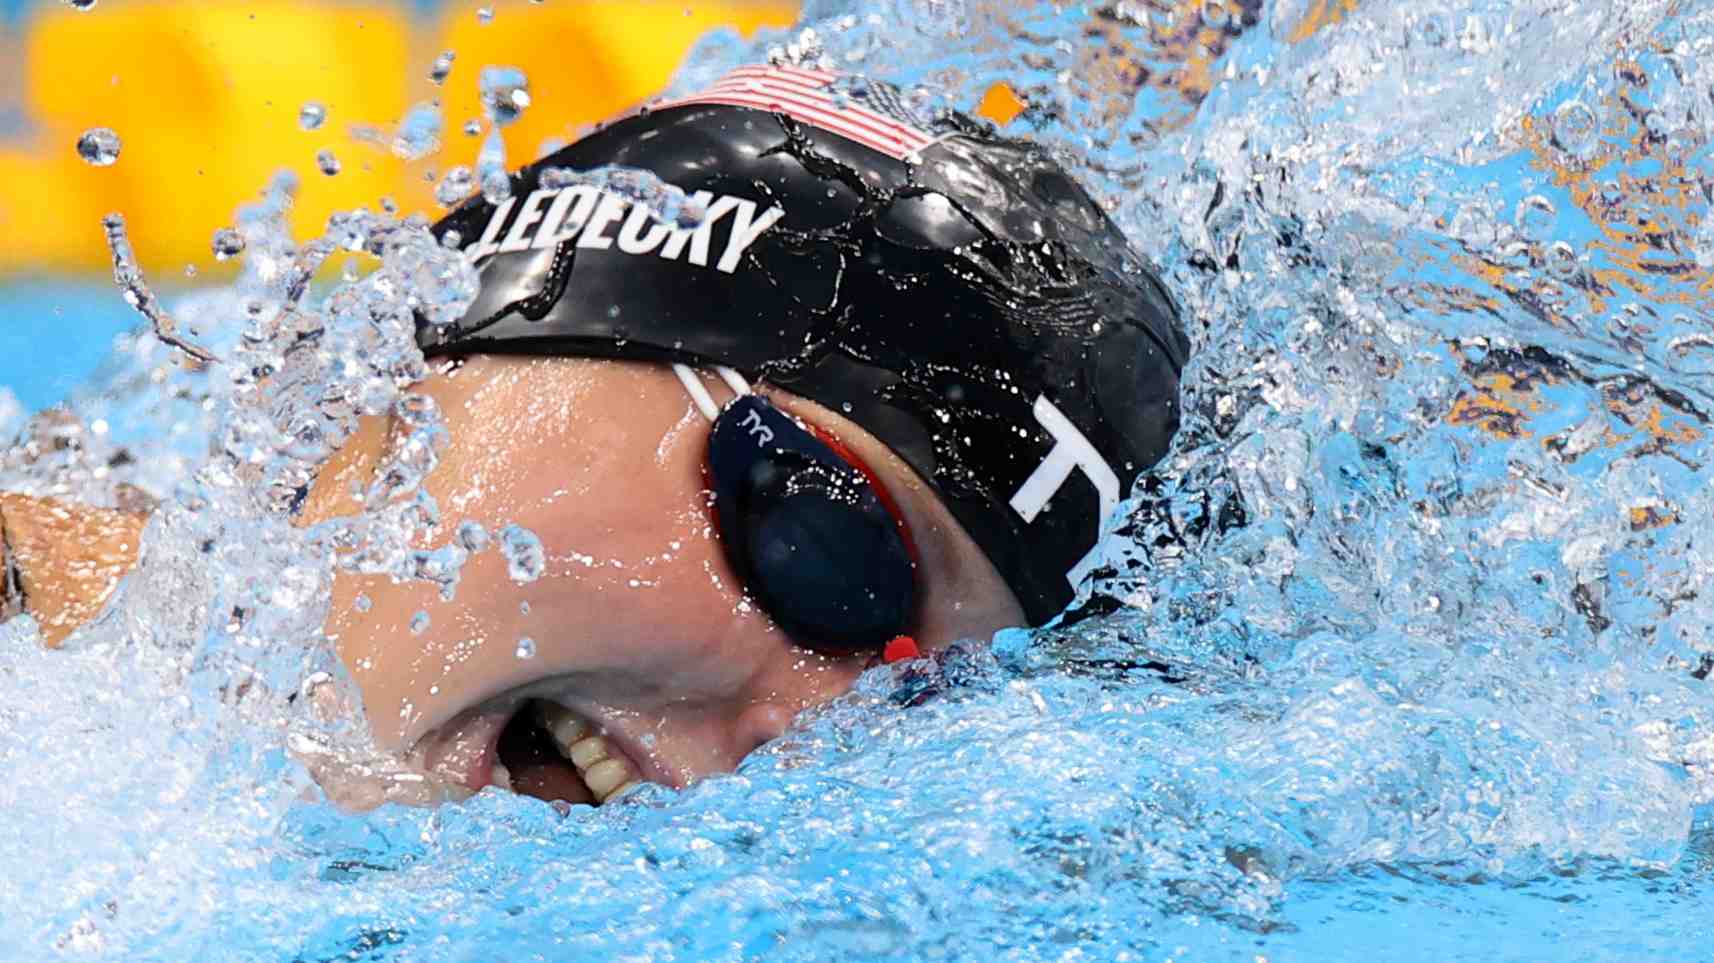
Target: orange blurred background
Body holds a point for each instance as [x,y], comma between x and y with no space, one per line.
[205,97]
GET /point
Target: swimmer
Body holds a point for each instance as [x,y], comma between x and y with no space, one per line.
[809,384]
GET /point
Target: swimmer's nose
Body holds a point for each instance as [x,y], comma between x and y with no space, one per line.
[760,724]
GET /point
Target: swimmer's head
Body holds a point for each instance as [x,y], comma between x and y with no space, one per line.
[792,373]
[955,294]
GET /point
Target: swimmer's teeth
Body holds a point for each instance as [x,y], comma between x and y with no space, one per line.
[565,727]
[586,752]
[603,770]
[606,776]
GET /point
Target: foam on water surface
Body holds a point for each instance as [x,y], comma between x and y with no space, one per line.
[1401,653]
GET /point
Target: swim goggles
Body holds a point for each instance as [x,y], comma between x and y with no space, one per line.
[808,527]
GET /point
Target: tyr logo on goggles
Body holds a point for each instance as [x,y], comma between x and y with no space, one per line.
[813,537]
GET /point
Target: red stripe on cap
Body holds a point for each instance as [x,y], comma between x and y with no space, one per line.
[895,141]
[801,94]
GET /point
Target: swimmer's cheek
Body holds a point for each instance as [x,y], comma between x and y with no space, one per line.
[59,561]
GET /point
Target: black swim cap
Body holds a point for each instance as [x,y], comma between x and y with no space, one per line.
[953,292]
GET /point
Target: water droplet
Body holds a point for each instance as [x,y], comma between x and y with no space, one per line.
[524,607]
[136,291]
[473,536]
[455,186]
[525,557]
[227,243]
[362,604]
[311,115]
[1562,259]
[505,93]
[484,15]
[1214,14]
[190,270]
[1691,354]
[327,163]
[496,186]
[99,146]
[1432,31]
[472,127]
[1574,129]
[526,648]
[441,67]
[418,133]
[1702,242]
[1535,217]
[80,4]
[419,623]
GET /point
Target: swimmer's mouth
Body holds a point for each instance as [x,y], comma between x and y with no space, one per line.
[549,752]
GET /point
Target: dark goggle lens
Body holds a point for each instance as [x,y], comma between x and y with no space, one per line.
[808,532]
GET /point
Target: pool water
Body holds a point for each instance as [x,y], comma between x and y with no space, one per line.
[1401,653]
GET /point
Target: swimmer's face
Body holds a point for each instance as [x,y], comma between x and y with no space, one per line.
[645,659]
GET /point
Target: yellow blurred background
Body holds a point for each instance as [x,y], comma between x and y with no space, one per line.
[205,97]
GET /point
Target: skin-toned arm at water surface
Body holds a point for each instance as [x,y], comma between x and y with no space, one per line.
[60,561]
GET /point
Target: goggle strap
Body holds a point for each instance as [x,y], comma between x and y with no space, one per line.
[699,392]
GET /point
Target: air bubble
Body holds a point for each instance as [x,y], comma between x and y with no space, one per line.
[99,146]
[525,557]
[311,115]
[1574,129]
[1535,217]
[327,163]
[227,243]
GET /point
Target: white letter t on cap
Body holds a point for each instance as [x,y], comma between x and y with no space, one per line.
[1071,450]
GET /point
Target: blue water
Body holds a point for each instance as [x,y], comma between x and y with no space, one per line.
[56,333]
[1406,641]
